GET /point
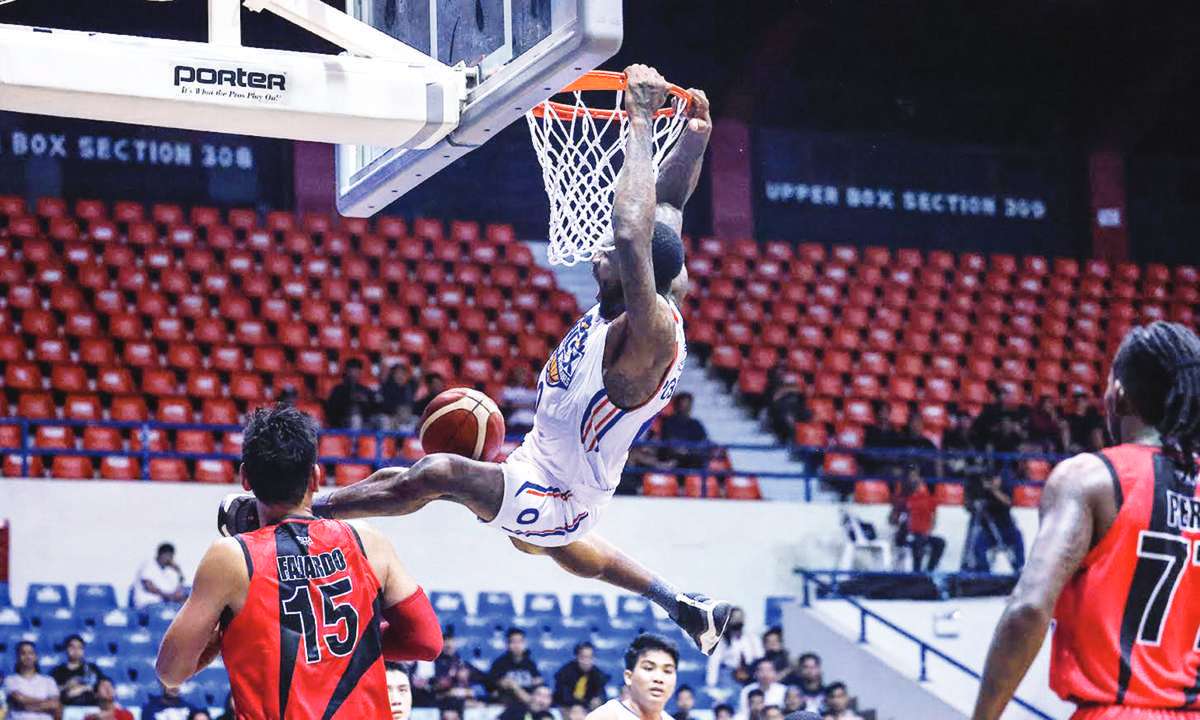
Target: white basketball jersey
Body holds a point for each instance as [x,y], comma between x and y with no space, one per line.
[579,436]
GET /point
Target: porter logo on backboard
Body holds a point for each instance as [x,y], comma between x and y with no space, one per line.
[236,83]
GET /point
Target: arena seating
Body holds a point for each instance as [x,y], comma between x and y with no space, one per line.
[160,315]
[123,642]
[917,330]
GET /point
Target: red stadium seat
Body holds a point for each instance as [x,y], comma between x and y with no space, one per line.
[1027,495]
[871,492]
[52,350]
[82,407]
[350,473]
[184,356]
[219,411]
[35,405]
[229,359]
[14,467]
[247,387]
[811,434]
[54,437]
[203,384]
[128,408]
[901,387]
[120,467]
[742,487]
[174,410]
[22,376]
[72,467]
[194,441]
[168,470]
[659,485]
[102,438]
[839,465]
[948,493]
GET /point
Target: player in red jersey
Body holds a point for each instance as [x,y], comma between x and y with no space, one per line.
[1116,561]
[303,610]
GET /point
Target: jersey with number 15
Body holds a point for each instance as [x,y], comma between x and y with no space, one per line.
[1128,623]
[306,643]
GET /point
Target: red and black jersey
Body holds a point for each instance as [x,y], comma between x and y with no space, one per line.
[307,644]
[1128,623]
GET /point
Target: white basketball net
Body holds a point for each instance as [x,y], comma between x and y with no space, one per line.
[581,156]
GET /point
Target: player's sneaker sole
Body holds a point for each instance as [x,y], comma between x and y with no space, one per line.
[704,620]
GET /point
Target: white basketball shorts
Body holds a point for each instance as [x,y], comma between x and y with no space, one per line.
[541,510]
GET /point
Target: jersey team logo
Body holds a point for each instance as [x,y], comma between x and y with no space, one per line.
[560,369]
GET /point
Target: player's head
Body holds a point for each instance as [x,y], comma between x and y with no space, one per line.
[399,691]
[650,664]
[279,456]
[666,255]
[1155,378]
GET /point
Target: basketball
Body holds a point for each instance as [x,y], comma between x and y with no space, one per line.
[464,422]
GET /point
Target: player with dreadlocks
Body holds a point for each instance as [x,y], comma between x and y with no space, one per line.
[1116,561]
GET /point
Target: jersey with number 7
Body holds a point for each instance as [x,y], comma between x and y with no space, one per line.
[1128,623]
[307,642]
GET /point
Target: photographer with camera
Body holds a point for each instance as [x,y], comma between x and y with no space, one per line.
[992,527]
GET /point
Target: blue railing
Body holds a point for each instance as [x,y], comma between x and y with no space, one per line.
[924,649]
[26,449]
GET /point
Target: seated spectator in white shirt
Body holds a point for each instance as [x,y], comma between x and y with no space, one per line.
[31,695]
[766,680]
[736,654]
[772,712]
[519,400]
[837,703]
[808,677]
[159,580]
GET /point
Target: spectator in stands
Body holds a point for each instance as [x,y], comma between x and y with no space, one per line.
[228,713]
[786,403]
[883,435]
[106,694]
[434,384]
[455,679]
[350,402]
[957,440]
[31,695]
[396,397]
[681,427]
[723,712]
[76,677]
[914,513]
[793,700]
[518,400]
[766,680]
[198,714]
[1085,426]
[837,703]
[514,675]
[735,654]
[449,712]
[987,423]
[1047,427]
[167,705]
[808,678]
[538,707]
[580,681]
[772,712]
[685,702]
[159,580]
[399,689]
[992,526]
[754,707]
[914,438]
[575,711]
[774,650]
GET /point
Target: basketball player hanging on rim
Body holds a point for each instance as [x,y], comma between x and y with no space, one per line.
[303,610]
[607,380]
[1115,559]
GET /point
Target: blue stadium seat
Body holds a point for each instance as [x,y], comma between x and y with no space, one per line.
[609,658]
[110,665]
[44,597]
[547,667]
[94,597]
[213,675]
[135,642]
[11,637]
[495,603]
[11,617]
[159,617]
[630,627]
[589,605]
[448,603]
[194,694]
[774,609]
[634,607]
[130,694]
[485,623]
[117,618]
[5,597]
[47,661]
[141,668]
[542,605]
[55,621]
[667,628]
[107,640]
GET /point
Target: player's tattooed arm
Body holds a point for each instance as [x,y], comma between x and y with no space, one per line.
[1076,494]
[680,170]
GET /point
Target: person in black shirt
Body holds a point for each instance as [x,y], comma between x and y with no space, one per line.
[350,402]
[538,707]
[434,384]
[774,650]
[396,397]
[514,675]
[1085,426]
[992,524]
[680,426]
[76,677]
[580,681]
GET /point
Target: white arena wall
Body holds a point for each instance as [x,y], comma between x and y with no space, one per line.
[71,531]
